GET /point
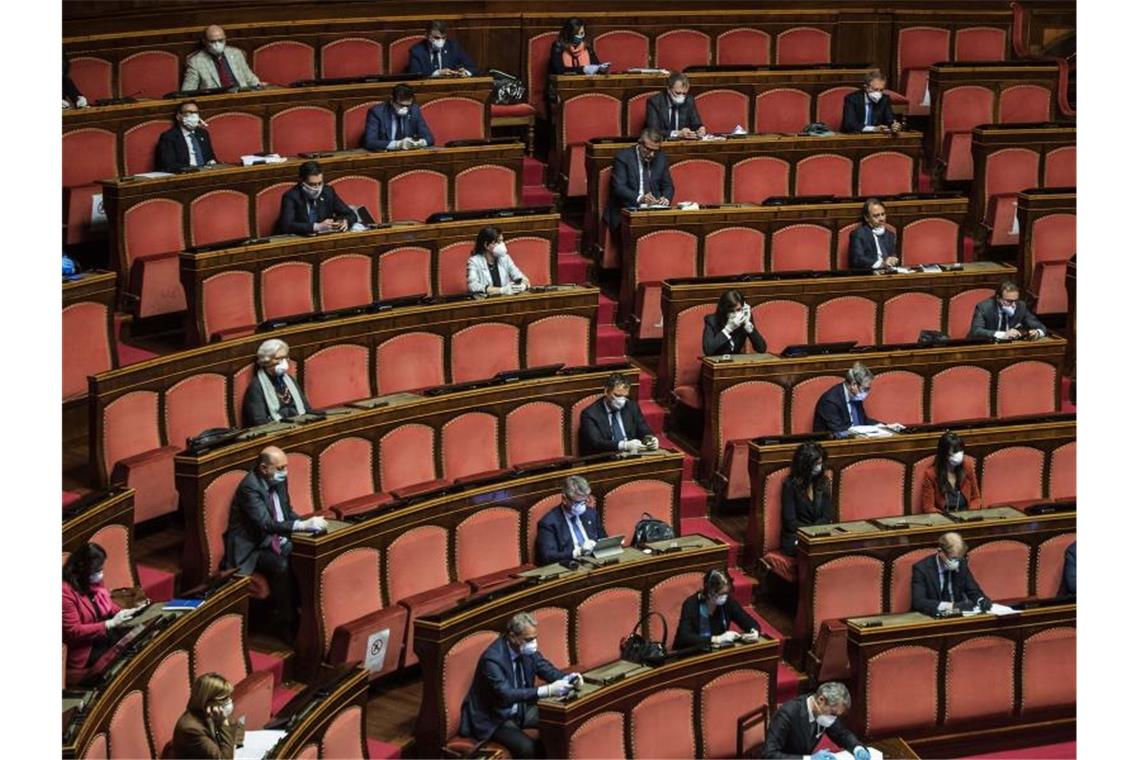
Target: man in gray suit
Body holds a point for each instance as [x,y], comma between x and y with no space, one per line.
[216,65]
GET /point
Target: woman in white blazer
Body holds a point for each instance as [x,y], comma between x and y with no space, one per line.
[490,269]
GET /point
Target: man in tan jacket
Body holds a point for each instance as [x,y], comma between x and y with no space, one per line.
[216,65]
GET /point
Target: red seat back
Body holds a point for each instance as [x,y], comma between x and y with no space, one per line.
[452,269]
[576,419]
[118,570]
[415,195]
[920,47]
[623,506]
[801,246]
[1063,472]
[782,323]
[1008,172]
[149,74]
[486,186]
[722,110]
[167,694]
[623,49]
[1028,387]
[353,121]
[846,587]
[220,649]
[680,48]
[902,572]
[803,45]
[130,426]
[356,190]
[302,129]
[564,338]
[126,732]
[89,155]
[1024,104]
[1014,473]
[195,404]
[661,725]
[887,172]
[869,488]
[345,280]
[687,348]
[404,271]
[846,318]
[355,574]
[824,174]
[1052,239]
[669,595]
[407,458]
[235,134]
[459,667]
[284,62]
[1001,568]
[139,144]
[352,57]
[912,700]
[344,472]
[487,542]
[537,68]
[699,180]
[634,117]
[829,106]
[409,361]
[400,53]
[773,486]
[929,241]
[532,255]
[733,250]
[337,375]
[92,76]
[1051,564]
[601,620]
[470,444]
[455,118]
[724,701]
[417,562]
[905,315]
[961,310]
[897,397]
[965,107]
[344,734]
[216,500]
[748,410]
[742,46]
[756,179]
[782,109]
[484,350]
[287,289]
[602,735]
[843,244]
[980,43]
[535,431]
[583,118]
[960,393]
[1049,670]
[535,514]
[267,207]
[87,345]
[301,483]
[1061,167]
[227,302]
[219,215]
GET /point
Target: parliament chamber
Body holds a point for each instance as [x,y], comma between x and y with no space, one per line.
[628,380]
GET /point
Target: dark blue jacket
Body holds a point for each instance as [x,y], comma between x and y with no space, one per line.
[493,692]
[861,252]
[855,112]
[831,414]
[1069,576]
[623,182]
[422,61]
[555,544]
[378,127]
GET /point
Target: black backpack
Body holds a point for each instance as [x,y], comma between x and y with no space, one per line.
[650,529]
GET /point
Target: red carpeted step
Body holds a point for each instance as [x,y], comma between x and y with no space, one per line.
[925,183]
[127,353]
[610,341]
[967,249]
[645,383]
[708,528]
[766,628]
[1066,393]
[694,500]
[281,697]
[743,586]
[378,750]
[270,662]
[569,237]
[654,414]
[572,269]
[157,584]
[607,307]
[537,195]
[787,683]
[534,171]
[687,468]
[1063,751]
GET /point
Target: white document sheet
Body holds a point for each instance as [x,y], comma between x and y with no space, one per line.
[845,755]
[257,744]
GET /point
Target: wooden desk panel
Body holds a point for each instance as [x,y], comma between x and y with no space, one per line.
[346,692]
[1032,206]
[115,507]
[94,287]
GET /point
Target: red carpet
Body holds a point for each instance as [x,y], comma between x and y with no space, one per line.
[1065,751]
[157,584]
[378,750]
[281,697]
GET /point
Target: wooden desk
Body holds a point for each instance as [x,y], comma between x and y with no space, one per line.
[659,582]
[789,149]
[348,692]
[1043,254]
[133,672]
[533,241]
[685,303]
[1029,666]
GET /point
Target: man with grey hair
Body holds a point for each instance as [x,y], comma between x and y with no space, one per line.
[841,406]
[800,723]
[570,529]
[502,697]
[272,394]
[216,65]
[943,582]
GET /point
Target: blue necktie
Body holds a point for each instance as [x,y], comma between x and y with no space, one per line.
[312,211]
[576,526]
[856,418]
[867,118]
[615,428]
[520,683]
[195,150]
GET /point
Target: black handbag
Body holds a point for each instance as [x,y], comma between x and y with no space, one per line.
[211,439]
[506,89]
[649,529]
[645,651]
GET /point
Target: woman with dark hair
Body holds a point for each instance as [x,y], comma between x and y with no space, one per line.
[490,269]
[728,327]
[805,498]
[90,618]
[707,615]
[571,53]
[949,484]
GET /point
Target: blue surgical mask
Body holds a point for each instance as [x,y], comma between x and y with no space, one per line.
[578,508]
[279,476]
[860,395]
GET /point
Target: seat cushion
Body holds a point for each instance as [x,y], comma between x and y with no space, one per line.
[689,395]
[360,504]
[253,698]
[349,640]
[782,565]
[514,109]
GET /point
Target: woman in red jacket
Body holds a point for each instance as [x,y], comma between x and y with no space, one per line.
[949,484]
[90,618]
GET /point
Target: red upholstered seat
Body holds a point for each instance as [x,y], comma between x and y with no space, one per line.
[284,62]
[963,108]
[920,47]
[235,134]
[353,121]
[576,419]
[452,269]
[405,271]
[532,255]
[1001,568]
[659,256]
[537,69]
[1052,242]
[829,107]
[126,732]
[901,576]
[455,118]
[634,118]
[733,250]
[887,172]
[906,315]
[623,49]
[86,346]
[470,444]
[344,734]
[554,623]
[227,304]
[724,700]
[747,410]
[801,246]
[687,352]
[980,43]
[535,431]
[356,190]
[344,470]
[484,350]
[1024,104]
[1061,167]
[585,117]
[668,595]
[89,155]
[418,577]
[846,587]
[152,232]
[897,397]
[680,48]
[345,280]
[929,241]
[301,483]
[564,338]
[1014,473]
[407,457]
[336,375]
[487,545]
[308,752]
[722,110]
[302,129]
[92,76]
[460,663]
[216,500]
[743,46]
[267,207]
[167,693]
[195,404]
[1028,387]
[400,53]
[1051,564]
[805,395]
[961,310]
[536,512]
[219,215]
[118,570]
[1063,472]
[782,109]
[409,361]
[139,144]
[1008,172]
[846,318]
[415,195]
[485,186]
[352,610]
[698,180]
[871,487]
[824,174]
[287,289]
[1049,670]
[756,179]
[960,393]
[610,243]
[601,621]
[600,736]
[133,453]
[221,649]
[843,244]
[623,506]
[661,725]
[782,323]
[149,74]
[902,690]
[352,57]
[96,748]
[803,45]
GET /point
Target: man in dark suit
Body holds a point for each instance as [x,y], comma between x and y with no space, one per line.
[502,697]
[437,56]
[397,124]
[1005,317]
[613,423]
[257,539]
[869,109]
[872,245]
[841,406]
[572,528]
[312,206]
[943,581]
[186,143]
[1069,576]
[673,112]
[800,723]
[640,176]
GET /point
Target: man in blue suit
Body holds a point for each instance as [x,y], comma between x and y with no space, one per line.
[502,697]
[640,175]
[437,56]
[872,245]
[572,528]
[841,406]
[397,124]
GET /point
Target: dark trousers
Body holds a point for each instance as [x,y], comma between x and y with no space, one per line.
[511,736]
[283,596]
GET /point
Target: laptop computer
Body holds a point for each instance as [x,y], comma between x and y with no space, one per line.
[607,547]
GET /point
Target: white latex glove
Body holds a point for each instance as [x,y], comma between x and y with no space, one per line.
[944,606]
[1000,335]
[121,617]
[407,143]
[437,73]
[633,445]
[420,143]
[591,68]
[81,102]
[654,444]
[522,286]
[725,638]
[66,104]
[464,72]
[559,688]
[1037,333]
[751,637]
[589,545]
[314,525]
[577,552]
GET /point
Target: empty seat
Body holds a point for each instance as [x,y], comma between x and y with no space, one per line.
[724,701]
[600,736]
[829,106]
[1061,167]
[302,129]
[345,281]
[139,143]
[487,186]
[747,410]
[960,393]
[407,457]
[623,506]
[722,111]
[1051,564]
[805,395]
[149,74]
[733,250]
[415,195]
[417,576]
[561,339]
[843,244]
[400,52]
[1063,472]
[455,118]
[601,621]
[887,172]
[287,289]
[487,546]
[1049,670]
[126,732]
[235,134]
[482,351]
[535,431]
[152,236]
[634,118]
[908,314]
[352,57]
[1001,568]
[344,734]
[687,352]
[911,700]
[897,397]
[929,241]
[356,190]
[221,648]
[1052,242]
[1008,172]
[167,693]
[227,305]
[344,470]
[87,341]
[698,180]
[404,271]
[743,47]
[846,587]
[352,611]
[901,575]
[980,43]
[337,375]
[870,488]
[963,108]
[782,109]
[754,180]
[195,404]
[89,155]
[301,483]
[623,49]
[284,62]
[658,256]
[1013,473]
[451,266]
[846,318]
[533,255]
[353,121]
[1025,104]
[680,48]
[92,76]
[409,361]
[133,453]
[583,118]
[661,725]
[1028,387]
[219,215]
[267,207]
[920,47]
[824,174]
[803,45]
[801,246]
[470,445]
[537,69]
[961,310]
[554,622]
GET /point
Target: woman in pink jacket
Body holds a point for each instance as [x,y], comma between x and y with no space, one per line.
[89,616]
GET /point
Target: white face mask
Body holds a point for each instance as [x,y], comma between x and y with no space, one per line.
[499,249]
[281,367]
[280,476]
[617,402]
[957,458]
[530,647]
[228,708]
[720,600]
[401,110]
[825,721]
[217,47]
[191,120]
[952,564]
[860,395]
[1008,310]
[578,508]
[312,191]
[678,99]
[875,96]
[438,44]
[95,578]
[878,230]
[816,469]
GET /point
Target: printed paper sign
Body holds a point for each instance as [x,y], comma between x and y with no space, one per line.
[1015,229]
[98,215]
[376,650]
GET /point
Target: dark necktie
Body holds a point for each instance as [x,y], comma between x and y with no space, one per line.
[195,150]
[520,683]
[867,117]
[312,205]
[225,76]
[856,418]
[948,586]
[673,117]
[438,59]
[400,132]
[615,428]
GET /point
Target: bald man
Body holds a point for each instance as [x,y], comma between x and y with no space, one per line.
[943,582]
[217,65]
[257,540]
